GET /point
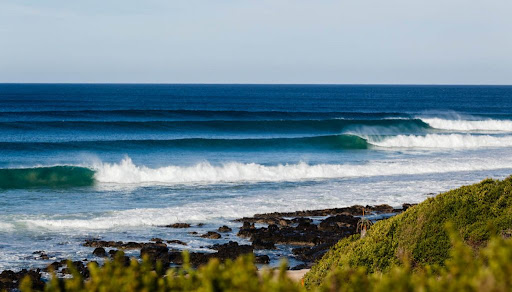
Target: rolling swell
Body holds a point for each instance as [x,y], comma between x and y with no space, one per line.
[325,126]
[53,176]
[183,115]
[328,142]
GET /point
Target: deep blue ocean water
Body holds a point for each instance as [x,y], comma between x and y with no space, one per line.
[117,161]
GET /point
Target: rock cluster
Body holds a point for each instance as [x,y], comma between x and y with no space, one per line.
[311,232]
[10,280]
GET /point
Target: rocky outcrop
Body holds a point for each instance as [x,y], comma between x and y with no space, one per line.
[10,280]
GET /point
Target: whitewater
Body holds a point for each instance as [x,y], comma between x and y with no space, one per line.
[126,172]
[448,141]
[469,125]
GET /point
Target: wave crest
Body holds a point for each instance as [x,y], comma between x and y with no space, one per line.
[126,172]
[467,125]
[443,141]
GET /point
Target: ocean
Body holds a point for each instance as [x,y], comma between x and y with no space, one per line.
[118,161]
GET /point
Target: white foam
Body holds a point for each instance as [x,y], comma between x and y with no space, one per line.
[220,210]
[342,193]
[6,227]
[468,125]
[443,141]
[126,172]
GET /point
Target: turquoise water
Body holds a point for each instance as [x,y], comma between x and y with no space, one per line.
[117,161]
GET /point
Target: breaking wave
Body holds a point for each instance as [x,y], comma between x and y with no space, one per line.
[469,125]
[126,172]
[451,141]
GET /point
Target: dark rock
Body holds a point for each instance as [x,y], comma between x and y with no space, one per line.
[224,229]
[302,220]
[211,235]
[297,229]
[248,225]
[175,241]
[196,259]
[175,257]
[260,244]
[114,252]
[267,220]
[231,250]
[156,252]
[339,223]
[55,266]
[157,240]
[178,225]
[247,230]
[286,235]
[125,260]
[80,267]
[311,254]
[132,245]
[117,244]
[101,243]
[384,208]
[262,259]
[10,280]
[42,255]
[99,252]
[356,210]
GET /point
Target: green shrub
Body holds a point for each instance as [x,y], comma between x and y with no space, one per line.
[489,270]
[476,211]
[239,275]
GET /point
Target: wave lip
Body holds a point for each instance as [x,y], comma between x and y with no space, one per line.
[443,141]
[53,176]
[469,125]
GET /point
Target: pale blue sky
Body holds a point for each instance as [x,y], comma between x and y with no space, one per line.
[241,41]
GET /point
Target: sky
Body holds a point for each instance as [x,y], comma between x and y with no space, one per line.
[257,41]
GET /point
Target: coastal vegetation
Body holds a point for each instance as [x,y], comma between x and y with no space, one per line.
[456,241]
[419,235]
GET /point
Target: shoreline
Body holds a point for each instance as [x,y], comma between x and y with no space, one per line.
[300,237]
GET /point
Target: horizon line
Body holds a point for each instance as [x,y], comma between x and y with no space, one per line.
[296,84]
